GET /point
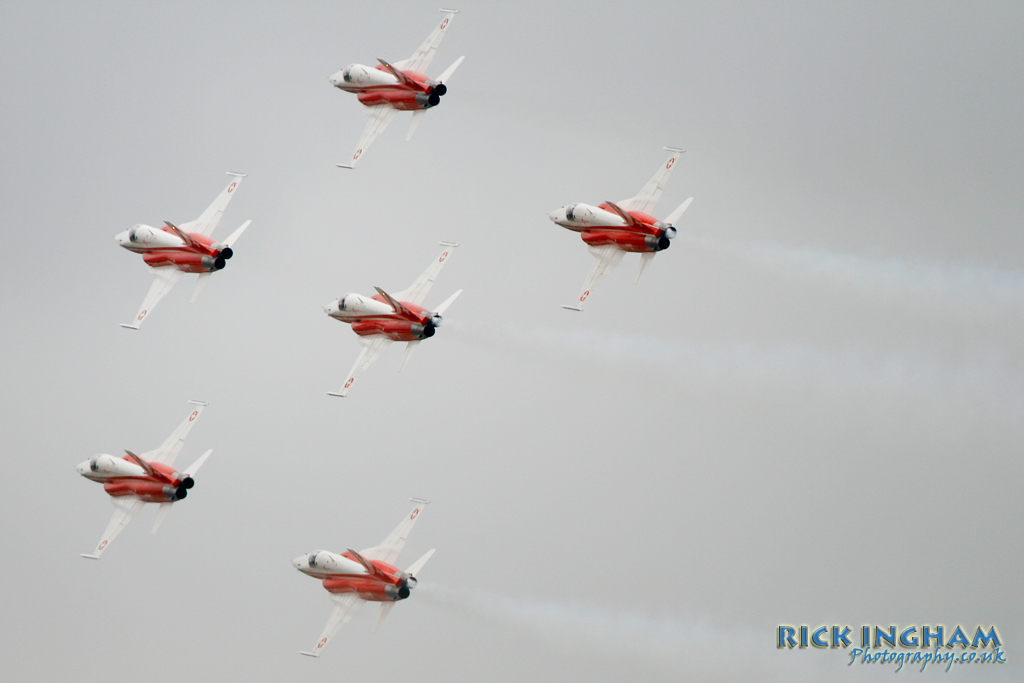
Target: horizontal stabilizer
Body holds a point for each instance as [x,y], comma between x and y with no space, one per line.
[310,654]
[91,557]
[571,308]
[233,237]
[674,149]
[200,283]
[385,610]
[194,467]
[673,217]
[443,78]
[447,302]
[416,116]
[129,327]
[416,566]
[348,167]
[160,514]
[334,393]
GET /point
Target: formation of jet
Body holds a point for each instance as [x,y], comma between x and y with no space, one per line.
[134,480]
[382,318]
[173,250]
[611,229]
[352,578]
[386,89]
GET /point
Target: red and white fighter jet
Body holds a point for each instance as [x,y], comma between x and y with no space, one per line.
[387,88]
[173,250]
[352,578]
[382,318]
[611,229]
[134,480]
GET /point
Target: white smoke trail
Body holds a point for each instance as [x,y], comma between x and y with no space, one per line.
[987,375]
[977,287]
[678,644]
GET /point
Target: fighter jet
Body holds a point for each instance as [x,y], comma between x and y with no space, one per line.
[352,578]
[382,318]
[386,89]
[173,250]
[134,480]
[611,229]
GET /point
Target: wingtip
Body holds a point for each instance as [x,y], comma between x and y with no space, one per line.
[129,327]
[334,393]
[237,174]
[198,403]
[309,654]
[572,308]
[345,166]
[90,557]
[677,150]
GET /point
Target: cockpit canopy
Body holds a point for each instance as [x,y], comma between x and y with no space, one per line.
[569,212]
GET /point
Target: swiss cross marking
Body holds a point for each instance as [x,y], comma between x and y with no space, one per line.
[443,257]
[444,23]
[102,545]
[194,415]
[414,513]
[231,187]
[143,314]
[583,297]
[349,382]
[356,155]
[670,162]
[323,641]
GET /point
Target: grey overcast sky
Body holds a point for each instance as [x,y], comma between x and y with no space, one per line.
[808,412]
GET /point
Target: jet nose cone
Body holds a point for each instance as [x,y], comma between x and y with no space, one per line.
[121,237]
[299,562]
[557,215]
[82,467]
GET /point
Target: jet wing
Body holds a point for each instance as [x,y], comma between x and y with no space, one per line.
[170,448]
[125,509]
[166,278]
[373,346]
[418,290]
[205,224]
[651,192]
[345,607]
[607,257]
[380,116]
[391,546]
[420,59]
